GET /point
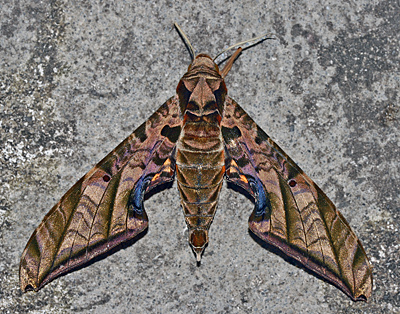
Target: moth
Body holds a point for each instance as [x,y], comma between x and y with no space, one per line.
[199,136]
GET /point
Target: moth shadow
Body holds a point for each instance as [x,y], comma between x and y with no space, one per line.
[124,245]
[271,248]
[244,48]
[240,190]
[158,189]
[121,246]
[275,250]
[100,257]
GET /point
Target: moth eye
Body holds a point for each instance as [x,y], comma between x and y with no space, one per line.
[106,178]
[292,183]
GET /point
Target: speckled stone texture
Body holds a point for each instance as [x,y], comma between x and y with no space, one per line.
[77,77]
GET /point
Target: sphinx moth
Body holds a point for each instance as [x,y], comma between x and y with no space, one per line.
[200,136]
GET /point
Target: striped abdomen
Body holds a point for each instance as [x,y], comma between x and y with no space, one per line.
[200,169]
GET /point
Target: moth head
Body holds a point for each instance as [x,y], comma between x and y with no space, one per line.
[202,89]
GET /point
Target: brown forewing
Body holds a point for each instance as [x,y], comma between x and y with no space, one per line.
[292,213]
[104,208]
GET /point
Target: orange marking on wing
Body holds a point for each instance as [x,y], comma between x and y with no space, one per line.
[244,179]
[155,177]
[166,168]
[233,168]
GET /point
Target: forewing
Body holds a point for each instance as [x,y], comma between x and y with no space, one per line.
[291,212]
[104,208]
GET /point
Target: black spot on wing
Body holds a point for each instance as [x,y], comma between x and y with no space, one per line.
[220,94]
[242,161]
[261,136]
[184,95]
[171,133]
[230,134]
[141,133]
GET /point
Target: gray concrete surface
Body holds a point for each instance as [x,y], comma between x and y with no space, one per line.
[76,77]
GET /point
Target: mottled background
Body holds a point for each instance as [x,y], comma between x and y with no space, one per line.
[77,77]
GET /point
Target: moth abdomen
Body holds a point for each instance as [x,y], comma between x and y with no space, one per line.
[200,168]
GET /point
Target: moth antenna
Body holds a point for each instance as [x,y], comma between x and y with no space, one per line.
[250,42]
[229,63]
[186,40]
